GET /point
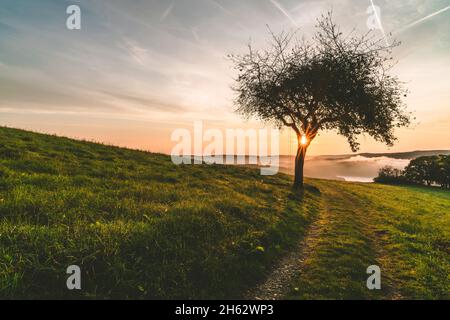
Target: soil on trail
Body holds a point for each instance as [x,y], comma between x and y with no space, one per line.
[331,260]
[279,283]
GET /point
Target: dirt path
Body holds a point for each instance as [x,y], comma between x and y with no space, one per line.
[279,282]
[332,259]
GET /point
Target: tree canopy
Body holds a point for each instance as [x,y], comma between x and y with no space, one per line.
[332,82]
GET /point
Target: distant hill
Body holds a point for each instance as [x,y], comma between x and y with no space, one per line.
[395,155]
[407,155]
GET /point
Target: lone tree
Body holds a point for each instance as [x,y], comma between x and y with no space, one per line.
[333,82]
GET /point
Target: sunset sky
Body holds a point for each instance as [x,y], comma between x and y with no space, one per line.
[137,70]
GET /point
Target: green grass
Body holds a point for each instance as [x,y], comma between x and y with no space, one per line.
[141,227]
[403,230]
[137,225]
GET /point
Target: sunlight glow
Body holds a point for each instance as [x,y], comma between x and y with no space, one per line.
[303,141]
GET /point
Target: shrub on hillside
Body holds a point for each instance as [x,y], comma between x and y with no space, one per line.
[390,175]
[429,170]
[432,170]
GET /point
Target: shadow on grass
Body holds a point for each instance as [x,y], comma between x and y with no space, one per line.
[298,194]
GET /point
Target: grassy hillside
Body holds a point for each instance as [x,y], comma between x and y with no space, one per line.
[137,225]
[403,230]
[141,227]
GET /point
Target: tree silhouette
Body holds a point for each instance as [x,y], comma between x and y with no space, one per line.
[429,170]
[333,82]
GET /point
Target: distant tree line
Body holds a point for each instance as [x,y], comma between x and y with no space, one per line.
[429,170]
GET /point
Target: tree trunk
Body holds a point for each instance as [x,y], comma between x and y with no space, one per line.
[299,163]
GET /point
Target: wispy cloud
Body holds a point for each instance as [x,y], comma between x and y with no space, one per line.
[148,102]
[194,31]
[137,53]
[221,7]
[167,11]
[284,12]
[380,25]
[422,20]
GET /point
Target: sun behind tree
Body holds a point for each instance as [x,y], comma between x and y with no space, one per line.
[334,82]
